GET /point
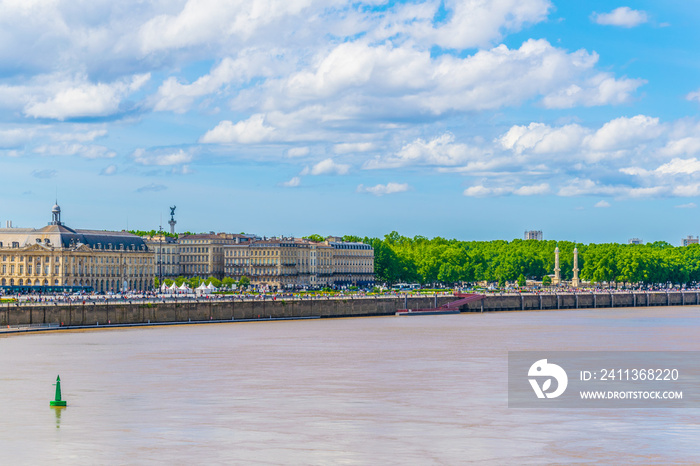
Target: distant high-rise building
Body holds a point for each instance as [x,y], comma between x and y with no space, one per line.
[534,234]
[690,240]
[635,241]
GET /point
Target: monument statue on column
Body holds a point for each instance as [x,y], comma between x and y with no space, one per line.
[575,281]
[557,271]
[172,221]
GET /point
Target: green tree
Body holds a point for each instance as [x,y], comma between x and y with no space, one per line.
[228,282]
[316,238]
[521,280]
[214,281]
[546,280]
[244,282]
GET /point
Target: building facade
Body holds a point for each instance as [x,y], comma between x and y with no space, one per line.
[203,255]
[534,234]
[57,256]
[167,256]
[690,240]
[289,263]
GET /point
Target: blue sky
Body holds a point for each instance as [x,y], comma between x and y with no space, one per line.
[462,119]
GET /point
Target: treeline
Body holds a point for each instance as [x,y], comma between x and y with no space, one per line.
[419,259]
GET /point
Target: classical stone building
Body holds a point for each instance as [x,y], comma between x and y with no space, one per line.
[353,263]
[167,255]
[203,255]
[57,257]
[288,263]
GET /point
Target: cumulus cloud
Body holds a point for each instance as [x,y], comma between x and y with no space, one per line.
[484,191]
[84,99]
[293,183]
[250,131]
[543,139]
[601,89]
[382,189]
[16,137]
[680,167]
[162,157]
[472,24]
[542,188]
[350,147]
[81,150]
[621,132]
[623,16]
[602,204]
[439,151]
[327,167]
[298,151]
[174,95]
[690,205]
[407,78]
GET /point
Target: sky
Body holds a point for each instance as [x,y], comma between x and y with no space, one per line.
[470,119]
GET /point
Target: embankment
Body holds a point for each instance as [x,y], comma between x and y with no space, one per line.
[120,313]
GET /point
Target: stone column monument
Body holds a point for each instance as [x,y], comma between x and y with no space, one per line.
[575,281]
[172,221]
[557,271]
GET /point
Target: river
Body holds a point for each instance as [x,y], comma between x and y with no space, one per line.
[380,390]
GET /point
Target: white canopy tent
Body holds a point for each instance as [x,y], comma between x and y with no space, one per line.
[202,289]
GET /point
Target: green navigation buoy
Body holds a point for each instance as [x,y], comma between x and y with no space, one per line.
[58,401]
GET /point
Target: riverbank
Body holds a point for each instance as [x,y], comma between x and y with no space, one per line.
[41,316]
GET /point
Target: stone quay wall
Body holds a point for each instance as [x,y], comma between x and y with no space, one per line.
[90,314]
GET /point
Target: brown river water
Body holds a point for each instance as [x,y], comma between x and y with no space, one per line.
[381,390]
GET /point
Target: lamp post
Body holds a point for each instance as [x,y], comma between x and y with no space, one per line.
[160,256]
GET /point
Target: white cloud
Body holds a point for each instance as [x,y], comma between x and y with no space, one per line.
[162,157]
[350,147]
[81,150]
[16,137]
[84,99]
[679,167]
[542,188]
[293,183]
[543,139]
[693,96]
[690,205]
[601,89]
[109,170]
[382,189]
[86,136]
[439,151]
[472,24]
[483,191]
[298,151]
[622,133]
[683,146]
[687,190]
[179,97]
[623,16]
[327,167]
[602,204]
[250,131]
